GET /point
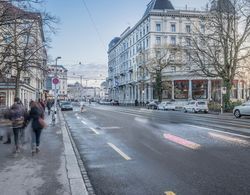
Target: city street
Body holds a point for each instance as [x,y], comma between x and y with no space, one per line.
[140,151]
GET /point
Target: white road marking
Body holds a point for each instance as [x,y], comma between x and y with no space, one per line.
[126,157]
[227,138]
[84,122]
[78,117]
[94,130]
[210,129]
[110,128]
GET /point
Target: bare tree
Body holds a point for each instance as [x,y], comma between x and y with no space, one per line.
[22,41]
[153,62]
[219,42]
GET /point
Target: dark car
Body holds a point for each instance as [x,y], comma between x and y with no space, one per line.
[152,105]
[115,102]
[66,106]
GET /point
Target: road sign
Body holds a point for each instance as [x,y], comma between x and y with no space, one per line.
[55,81]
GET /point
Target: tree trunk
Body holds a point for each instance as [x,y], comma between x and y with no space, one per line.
[226,97]
[17,87]
[159,85]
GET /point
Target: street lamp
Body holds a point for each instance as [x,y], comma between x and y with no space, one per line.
[8,76]
[56,92]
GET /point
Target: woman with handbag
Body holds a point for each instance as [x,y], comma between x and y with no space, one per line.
[36,117]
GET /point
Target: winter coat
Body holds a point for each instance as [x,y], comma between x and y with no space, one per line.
[17,115]
[35,114]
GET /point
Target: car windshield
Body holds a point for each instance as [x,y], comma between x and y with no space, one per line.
[202,103]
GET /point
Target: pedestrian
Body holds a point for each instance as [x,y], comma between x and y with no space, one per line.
[49,105]
[36,115]
[136,102]
[17,116]
[41,102]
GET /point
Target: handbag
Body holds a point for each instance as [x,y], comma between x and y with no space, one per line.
[42,122]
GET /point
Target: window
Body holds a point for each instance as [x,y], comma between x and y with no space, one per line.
[173,40]
[173,28]
[188,41]
[188,28]
[181,88]
[158,27]
[158,40]
[147,42]
[199,89]
[173,69]
[202,28]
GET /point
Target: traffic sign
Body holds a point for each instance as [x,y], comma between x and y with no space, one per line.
[55,81]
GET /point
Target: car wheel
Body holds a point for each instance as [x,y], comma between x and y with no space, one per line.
[237,114]
[194,111]
[185,110]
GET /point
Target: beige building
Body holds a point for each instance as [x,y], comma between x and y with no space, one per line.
[31,82]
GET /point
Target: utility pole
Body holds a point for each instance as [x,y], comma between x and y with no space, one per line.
[56,90]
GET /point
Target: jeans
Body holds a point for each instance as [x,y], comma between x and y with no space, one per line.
[17,132]
[36,133]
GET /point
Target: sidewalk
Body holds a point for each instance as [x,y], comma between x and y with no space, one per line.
[52,171]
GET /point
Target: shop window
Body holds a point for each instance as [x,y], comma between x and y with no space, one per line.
[234,90]
[199,89]
[215,90]
[181,89]
[2,99]
[167,90]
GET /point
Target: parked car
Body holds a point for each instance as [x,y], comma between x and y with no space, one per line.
[161,106]
[66,106]
[170,106]
[152,105]
[196,106]
[242,110]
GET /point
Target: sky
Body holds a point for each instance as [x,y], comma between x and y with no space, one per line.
[87,26]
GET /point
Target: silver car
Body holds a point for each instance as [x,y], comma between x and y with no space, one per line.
[242,110]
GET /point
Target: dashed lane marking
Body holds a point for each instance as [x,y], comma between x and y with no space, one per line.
[84,122]
[169,193]
[94,130]
[227,138]
[181,141]
[210,129]
[110,128]
[125,156]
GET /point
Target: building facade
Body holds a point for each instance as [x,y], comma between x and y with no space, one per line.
[62,75]
[161,24]
[32,75]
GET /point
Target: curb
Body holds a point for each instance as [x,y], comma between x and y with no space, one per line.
[73,168]
[87,184]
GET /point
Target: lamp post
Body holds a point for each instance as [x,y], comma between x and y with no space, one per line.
[8,76]
[56,91]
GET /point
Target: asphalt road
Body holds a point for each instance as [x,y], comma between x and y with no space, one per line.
[139,151]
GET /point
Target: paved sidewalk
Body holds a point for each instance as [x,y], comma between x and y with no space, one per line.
[52,171]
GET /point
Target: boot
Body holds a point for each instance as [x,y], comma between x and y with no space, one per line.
[8,141]
[1,138]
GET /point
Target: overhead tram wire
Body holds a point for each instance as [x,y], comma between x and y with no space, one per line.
[94,24]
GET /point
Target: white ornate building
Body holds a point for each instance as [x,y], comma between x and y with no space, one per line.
[160,24]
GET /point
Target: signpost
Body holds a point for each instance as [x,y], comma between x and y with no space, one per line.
[223,92]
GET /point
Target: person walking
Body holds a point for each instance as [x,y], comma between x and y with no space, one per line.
[49,105]
[17,114]
[36,116]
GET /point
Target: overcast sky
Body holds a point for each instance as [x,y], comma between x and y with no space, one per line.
[84,37]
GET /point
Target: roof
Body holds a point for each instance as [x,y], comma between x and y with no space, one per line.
[222,6]
[159,5]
